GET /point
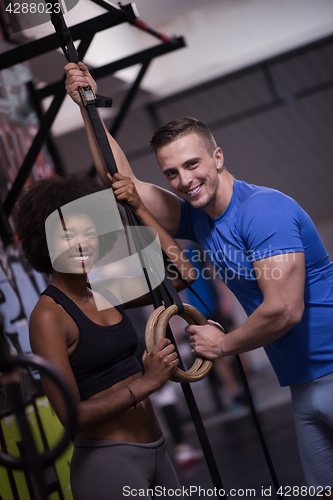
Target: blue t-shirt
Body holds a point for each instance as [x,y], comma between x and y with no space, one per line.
[202,286]
[258,223]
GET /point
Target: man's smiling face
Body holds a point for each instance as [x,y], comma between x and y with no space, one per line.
[190,170]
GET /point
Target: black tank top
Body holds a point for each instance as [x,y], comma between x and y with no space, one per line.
[104,355]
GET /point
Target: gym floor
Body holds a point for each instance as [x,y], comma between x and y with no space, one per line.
[236,446]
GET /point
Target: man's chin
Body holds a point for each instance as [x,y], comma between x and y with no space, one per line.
[198,203]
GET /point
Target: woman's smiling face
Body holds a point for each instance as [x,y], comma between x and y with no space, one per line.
[75,244]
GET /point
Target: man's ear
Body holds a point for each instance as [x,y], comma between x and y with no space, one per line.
[219,158]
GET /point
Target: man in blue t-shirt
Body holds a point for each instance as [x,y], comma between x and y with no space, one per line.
[267,251]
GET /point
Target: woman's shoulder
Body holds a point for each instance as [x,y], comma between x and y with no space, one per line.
[50,332]
[45,309]
[48,316]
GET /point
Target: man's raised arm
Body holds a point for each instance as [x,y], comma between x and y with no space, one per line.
[164,205]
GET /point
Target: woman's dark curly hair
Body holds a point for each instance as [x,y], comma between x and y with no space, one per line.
[37,203]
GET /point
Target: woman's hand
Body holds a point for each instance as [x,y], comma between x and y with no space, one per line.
[124,190]
[160,362]
[77,75]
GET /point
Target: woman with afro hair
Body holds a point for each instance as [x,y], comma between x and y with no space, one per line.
[119,447]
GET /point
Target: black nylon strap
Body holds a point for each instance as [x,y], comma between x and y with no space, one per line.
[170,296]
[102,139]
[103,102]
[173,294]
[65,36]
[71,55]
[168,291]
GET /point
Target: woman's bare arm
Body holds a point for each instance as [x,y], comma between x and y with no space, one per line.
[165,205]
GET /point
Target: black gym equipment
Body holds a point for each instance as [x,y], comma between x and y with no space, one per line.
[32,461]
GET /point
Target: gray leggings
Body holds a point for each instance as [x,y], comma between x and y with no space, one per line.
[112,470]
[313,416]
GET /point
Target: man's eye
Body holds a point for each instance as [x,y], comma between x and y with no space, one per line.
[91,234]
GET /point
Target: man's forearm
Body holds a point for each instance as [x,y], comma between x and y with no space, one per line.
[263,327]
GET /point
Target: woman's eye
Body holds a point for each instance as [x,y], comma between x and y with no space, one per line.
[66,236]
[91,234]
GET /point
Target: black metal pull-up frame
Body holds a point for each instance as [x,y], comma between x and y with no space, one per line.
[84,32]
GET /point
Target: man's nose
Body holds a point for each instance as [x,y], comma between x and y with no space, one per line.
[185,178]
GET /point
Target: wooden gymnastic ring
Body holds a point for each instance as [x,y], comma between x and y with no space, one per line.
[150,339]
[192,316]
[156,330]
[150,328]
